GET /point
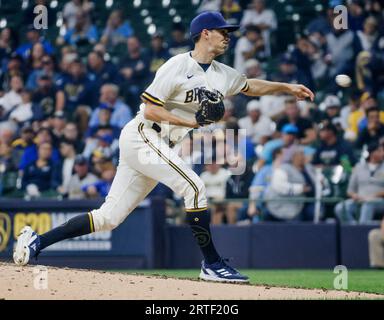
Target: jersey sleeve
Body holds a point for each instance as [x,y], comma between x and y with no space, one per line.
[237,82]
[163,85]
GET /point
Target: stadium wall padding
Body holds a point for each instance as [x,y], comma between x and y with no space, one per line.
[145,241]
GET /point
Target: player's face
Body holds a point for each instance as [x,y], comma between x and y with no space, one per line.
[219,40]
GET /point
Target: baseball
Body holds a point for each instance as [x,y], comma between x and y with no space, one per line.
[343,80]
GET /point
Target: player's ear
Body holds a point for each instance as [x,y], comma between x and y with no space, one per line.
[205,33]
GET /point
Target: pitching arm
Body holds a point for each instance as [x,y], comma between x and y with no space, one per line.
[258,87]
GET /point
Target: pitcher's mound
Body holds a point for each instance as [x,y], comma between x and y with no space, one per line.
[34,282]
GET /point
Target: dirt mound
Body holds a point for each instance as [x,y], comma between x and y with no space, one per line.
[63,283]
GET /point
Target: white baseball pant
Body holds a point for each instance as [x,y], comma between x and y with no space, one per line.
[145,160]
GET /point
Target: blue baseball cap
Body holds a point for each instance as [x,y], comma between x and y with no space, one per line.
[209,20]
[290,129]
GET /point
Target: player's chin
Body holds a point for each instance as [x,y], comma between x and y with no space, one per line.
[221,50]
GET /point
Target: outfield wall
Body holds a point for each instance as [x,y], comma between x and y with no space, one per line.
[145,241]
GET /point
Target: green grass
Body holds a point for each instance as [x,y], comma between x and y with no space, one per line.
[371,281]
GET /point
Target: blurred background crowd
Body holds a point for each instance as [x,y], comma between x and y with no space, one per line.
[67,91]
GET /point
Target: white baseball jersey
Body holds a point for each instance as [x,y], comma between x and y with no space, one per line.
[176,86]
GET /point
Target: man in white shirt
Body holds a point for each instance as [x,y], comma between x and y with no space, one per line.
[251,45]
[263,18]
[215,179]
[13,97]
[258,127]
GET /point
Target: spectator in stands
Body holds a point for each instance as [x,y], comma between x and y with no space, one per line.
[321,25]
[109,99]
[104,120]
[14,68]
[30,155]
[117,30]
[101,188]
[71,9]
[365,189]
[8,131]
[158,53]
[330,111]
[134,68]
[41,174]
[77,87]
[251,45]
[8,170]
[68,55]
[302,55]
[209,5]
[369,35]
[289,136]
[370,67]
[47,96]
[259,184]
[306,131]
[8,43]
[102,144]
[231,11]
[68,155]
[287,70]
[12,98]
[8,161]
[236,143]
[333,150]
[34,61]
[237,187]
[24,111]
[356,15]
[263,18]
[376,247]
[71,133]
[100,72]
[179,43]
[84,32]
[346,111]
[33,37]
[375,8]
[374,130]
[80,179]
[58,123]
[293,178]
[47,67]
[258,127]
[25,140]
[215,178]
[253,69]
[357,119]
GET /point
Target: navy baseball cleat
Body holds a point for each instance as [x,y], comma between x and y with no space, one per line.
[27,246]
[220,271]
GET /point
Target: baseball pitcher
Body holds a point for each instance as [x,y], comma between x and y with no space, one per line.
[187,93]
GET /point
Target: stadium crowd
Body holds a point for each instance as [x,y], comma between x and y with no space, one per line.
[62,109]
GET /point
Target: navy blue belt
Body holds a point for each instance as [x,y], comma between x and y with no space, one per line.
[157,128]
